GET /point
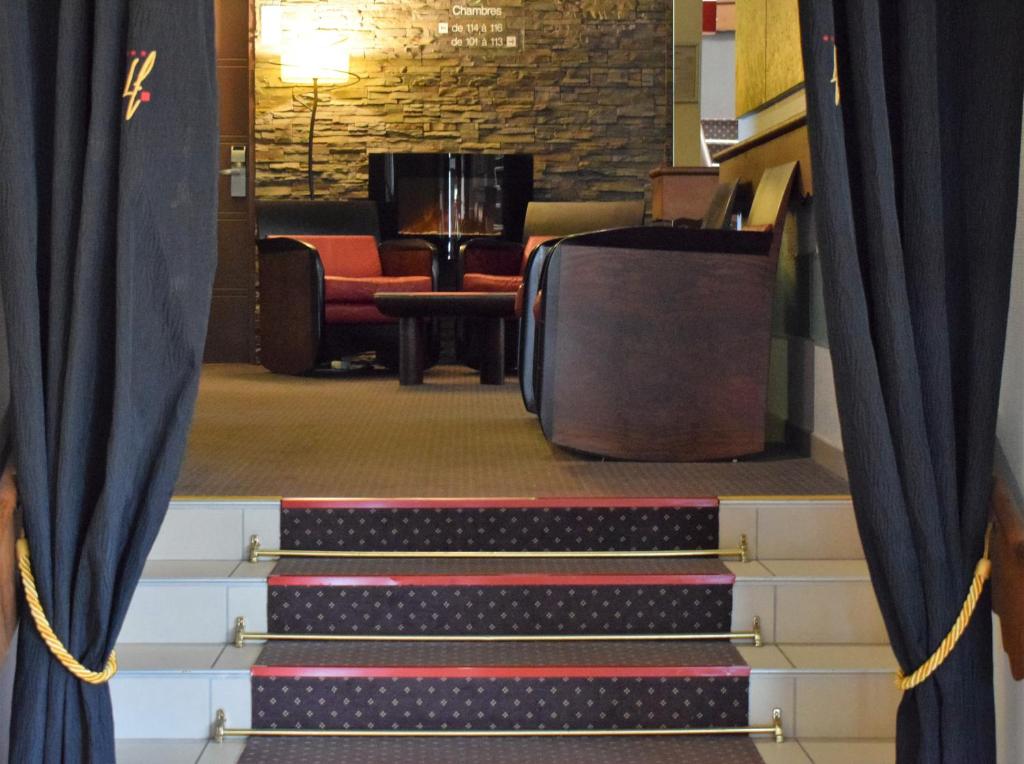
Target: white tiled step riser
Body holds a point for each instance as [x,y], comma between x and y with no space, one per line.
[216,530]
[810,612]
[792,529]
[182,705]
[196,601]
[783,529]
[805,610]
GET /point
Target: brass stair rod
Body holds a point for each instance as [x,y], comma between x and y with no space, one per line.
[221,731]
[256,551]
[242,636]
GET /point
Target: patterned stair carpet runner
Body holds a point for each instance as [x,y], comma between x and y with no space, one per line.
[322,685]
[509,524]
[491,686]
[488,597]
[718,750]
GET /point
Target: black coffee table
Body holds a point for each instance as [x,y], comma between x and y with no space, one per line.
[414,309]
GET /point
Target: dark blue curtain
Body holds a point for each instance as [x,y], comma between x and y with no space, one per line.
[915,178]
[108,154]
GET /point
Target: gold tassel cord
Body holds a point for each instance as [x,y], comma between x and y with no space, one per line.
[35,607]
[982,572]
[835,71]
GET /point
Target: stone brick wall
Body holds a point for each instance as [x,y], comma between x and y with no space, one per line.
[587,92]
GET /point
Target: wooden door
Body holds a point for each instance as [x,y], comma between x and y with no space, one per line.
[232,333]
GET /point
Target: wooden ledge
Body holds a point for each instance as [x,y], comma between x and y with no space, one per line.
[788,126]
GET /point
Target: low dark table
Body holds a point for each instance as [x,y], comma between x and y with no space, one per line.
[413,309]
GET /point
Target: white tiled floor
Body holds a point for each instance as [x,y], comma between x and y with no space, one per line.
[222,753]
[850,751]
[168,657]
[766,658]
[838,658]
[817,570]
[238,658]
[189,570]
[254,570]
[159,751]
[789,752]
[178,752]
[828,752]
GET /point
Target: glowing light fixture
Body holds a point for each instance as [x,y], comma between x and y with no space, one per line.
[309,55]
[316,55]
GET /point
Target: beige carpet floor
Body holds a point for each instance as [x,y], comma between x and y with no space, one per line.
[261,434]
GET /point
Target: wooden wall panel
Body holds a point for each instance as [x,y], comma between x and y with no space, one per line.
[789,146]
[231,336]
[784,63]
[751,31]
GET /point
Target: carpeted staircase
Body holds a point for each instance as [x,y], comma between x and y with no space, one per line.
[577,630]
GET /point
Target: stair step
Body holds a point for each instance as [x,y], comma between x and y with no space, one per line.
[644,658]
[547,569]
[829,601]
[825,691]
[481,596]
[713,750]
[499,524]
[783,528]
[827,751]
[490,686]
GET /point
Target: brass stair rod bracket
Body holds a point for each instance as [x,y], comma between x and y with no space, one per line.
[240,631]
[220,723]
[256,551]
[221,731]
[241,636]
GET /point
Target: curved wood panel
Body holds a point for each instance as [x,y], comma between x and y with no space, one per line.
[656,355]
[291,306]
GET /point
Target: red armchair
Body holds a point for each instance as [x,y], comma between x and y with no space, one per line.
[320,266]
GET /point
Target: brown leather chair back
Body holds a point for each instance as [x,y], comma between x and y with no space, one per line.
[722,206]
[356,217]
[772,196]
[567,218]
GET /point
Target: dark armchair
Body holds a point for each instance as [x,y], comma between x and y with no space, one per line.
[320,266]
[494,265]
[653,343]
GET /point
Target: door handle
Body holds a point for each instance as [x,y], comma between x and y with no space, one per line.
[237,172]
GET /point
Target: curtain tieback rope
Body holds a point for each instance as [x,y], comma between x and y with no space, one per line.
[35,607]
[982,571]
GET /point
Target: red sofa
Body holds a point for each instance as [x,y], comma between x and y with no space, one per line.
[320,266]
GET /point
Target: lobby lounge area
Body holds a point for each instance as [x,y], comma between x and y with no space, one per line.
[511,382]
